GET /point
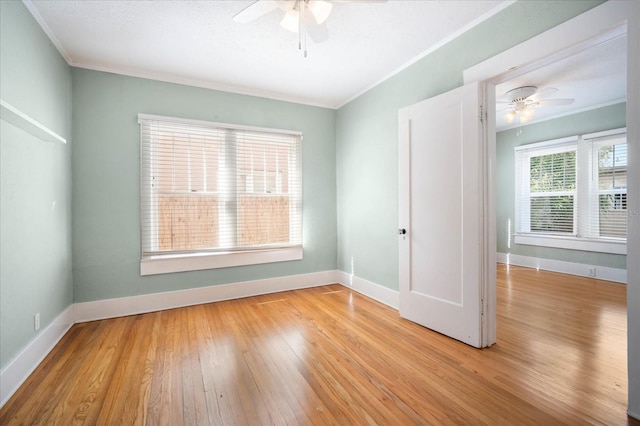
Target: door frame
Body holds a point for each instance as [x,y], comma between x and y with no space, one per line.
[593,27]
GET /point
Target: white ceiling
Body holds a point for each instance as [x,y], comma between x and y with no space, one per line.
[198,43]
[594,77]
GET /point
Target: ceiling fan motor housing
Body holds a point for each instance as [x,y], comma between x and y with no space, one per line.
[521,93]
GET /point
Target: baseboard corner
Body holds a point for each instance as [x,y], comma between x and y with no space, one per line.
[370,289]
[21,367]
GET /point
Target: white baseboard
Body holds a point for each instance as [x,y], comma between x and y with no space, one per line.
[14,374]
[17,371]
[370,289]
[583,270]
[111,308]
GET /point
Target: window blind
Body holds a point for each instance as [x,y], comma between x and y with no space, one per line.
[607,199]
[210,187]
[575,186]
[547,190]
[552,188]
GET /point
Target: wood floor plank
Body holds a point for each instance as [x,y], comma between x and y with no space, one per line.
[234,361]
[273,348]
[197,414]
[334,367]
[51,368]
[92,375]
[328,355]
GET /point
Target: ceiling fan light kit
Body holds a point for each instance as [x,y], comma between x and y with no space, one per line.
[295,13]
[306,17]
[300,16]
[290,21]
[523,101]
[320,10]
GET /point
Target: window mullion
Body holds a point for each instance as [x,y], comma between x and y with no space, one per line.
[228,190]
[584,200]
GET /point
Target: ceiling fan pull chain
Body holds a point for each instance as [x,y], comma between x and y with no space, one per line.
[302,17]
[300,24]
[305,44]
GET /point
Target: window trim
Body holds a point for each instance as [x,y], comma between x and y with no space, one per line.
[571,242]
[142,116]
[164,264]
[161,263]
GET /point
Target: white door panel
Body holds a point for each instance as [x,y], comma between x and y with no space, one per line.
[434,235]
[440,159]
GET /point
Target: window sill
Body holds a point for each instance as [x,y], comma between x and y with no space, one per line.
[572,243]
[154,265]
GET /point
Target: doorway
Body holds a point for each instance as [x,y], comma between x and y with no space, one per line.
[569,101]
[588,29]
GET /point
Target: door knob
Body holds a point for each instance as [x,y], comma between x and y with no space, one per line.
[402,231]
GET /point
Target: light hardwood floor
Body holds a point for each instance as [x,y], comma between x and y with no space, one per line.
[328,355]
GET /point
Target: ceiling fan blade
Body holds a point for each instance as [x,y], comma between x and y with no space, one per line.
[523,92]
[544,93]
[317,32]
[255,11]
[555,102]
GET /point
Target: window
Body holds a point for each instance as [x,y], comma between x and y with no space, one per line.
[215,195]
[572,192]
[610,219]
[552,192]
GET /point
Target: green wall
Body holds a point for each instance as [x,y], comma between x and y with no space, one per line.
[35,183]
[349,161]
[106,180]
[611,117]
[367,133]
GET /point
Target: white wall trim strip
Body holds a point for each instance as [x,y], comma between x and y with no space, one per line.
[13,115]
[370,289]
[19,369]
[111,308]
[580,269]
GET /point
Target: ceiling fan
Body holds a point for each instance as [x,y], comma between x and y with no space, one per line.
[523,101]
[306,17]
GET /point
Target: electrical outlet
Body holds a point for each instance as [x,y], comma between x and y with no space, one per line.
[592,272]
[36,321]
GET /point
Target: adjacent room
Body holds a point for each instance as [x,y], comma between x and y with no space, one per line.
[310,212]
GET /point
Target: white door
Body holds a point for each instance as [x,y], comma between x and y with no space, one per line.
[441,176]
